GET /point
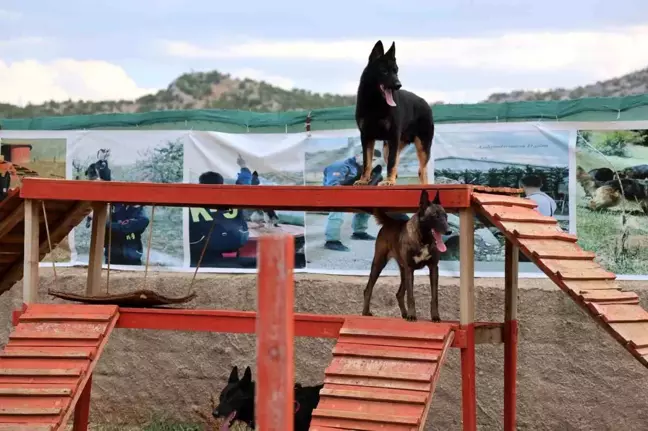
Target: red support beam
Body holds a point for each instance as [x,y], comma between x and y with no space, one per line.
[295,198]
[82,408]
[275,333]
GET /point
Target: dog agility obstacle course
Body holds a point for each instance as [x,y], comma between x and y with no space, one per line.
[383,371]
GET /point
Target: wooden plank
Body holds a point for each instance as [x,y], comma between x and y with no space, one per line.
[24,335]
[609,296]
[11,351]
[372,382]
[399,198]
[390,419]
[386,369]
[35,372]
[385,352]
[48,309]
[490,199]
[635,333]
[361,393]
[498,190]
[35,392]
[552,249]
[68,317]
[577,269]
[617,313]
[519,214]
[579,286]
[26,411]
[535,231]
[386,333]
[29,427]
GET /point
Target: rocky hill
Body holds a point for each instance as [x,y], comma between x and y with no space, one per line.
[219,90]
[626,85]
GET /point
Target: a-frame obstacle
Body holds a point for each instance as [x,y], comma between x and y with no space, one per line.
[361,380]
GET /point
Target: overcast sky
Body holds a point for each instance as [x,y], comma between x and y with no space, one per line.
[451,50]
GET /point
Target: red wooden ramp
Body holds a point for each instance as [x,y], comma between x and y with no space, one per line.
[382,376]
[47,362]
[573,269]
[62,217]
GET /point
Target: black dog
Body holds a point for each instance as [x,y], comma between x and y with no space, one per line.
[386,113]
[236,402]
[414,243]
[98,170]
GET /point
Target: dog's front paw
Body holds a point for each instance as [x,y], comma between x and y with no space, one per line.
[361,182]
[411,317]
[387,183]
[436,319]
[367,313]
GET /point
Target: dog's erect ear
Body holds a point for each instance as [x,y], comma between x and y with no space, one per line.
[255,174]
[391,52]
[377,51]
[424,202]
[247,377]
[436,200]
[233,378]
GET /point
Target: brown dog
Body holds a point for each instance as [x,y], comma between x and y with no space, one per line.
[414,243]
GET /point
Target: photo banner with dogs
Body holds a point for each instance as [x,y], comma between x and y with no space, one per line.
[590,176]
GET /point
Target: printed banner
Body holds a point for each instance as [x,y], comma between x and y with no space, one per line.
[592,177]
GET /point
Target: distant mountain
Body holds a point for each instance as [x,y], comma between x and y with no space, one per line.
[626,85]
[214,89]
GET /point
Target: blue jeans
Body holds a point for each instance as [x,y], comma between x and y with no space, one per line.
[334,225]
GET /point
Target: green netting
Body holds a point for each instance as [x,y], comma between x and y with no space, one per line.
[629,108]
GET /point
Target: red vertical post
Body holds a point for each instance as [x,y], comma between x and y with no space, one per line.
[275,332]
[82,408]
[510,334]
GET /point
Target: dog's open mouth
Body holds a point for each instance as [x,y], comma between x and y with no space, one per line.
[227,422]
[388,95]
[439,241]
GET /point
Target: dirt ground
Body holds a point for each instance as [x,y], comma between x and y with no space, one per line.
[572,376]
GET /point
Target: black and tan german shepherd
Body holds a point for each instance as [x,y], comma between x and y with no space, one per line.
[414,243]
[386,113]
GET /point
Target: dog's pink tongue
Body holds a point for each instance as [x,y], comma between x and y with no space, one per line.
[439,241]
[226,423]
[389,97]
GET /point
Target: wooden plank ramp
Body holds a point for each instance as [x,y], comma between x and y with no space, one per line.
[62,217]
[383,375]
[47,362]
[571,268]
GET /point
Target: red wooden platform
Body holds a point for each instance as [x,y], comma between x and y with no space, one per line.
[382,376]
[571,268]
[48,362]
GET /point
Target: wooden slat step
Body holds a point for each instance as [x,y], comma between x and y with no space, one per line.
[371,382]
[578,286]
[488,199]
[26,411]
[577,269]
[48,352]
[24,335]
[31,427]
[433,345]
[617,313]
[34,372]
[369,417]
[600,295]
[36,392]
[376,395]
[46,309]
[386,333]
[385,352]
[65,317]
[634,333]
[552,249]
[390,374]
[519,214]
[537,231]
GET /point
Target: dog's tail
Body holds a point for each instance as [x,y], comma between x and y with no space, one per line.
[382,218]
[586,181]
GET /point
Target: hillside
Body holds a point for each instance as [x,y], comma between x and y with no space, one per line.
[626,85]
[214,89]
